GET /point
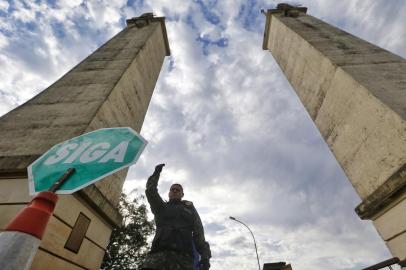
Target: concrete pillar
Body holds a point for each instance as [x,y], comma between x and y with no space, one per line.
[110,88]
[355,92]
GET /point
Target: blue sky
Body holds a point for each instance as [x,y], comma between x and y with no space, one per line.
[223,118]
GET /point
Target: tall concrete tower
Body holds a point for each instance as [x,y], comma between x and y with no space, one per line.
[355,92]
[110,88]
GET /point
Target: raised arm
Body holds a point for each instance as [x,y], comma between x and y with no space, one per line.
[202,245]
[155,201]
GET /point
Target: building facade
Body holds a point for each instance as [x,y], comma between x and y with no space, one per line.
[112,87]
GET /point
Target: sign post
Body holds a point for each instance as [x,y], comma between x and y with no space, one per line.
[75,164]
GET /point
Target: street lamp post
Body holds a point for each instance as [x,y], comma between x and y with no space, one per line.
[255,244]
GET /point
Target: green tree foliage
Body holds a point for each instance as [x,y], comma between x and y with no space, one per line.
[128,244]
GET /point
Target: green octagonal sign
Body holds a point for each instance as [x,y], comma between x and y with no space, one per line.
[93,155]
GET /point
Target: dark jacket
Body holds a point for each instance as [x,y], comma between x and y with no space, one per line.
[178,224]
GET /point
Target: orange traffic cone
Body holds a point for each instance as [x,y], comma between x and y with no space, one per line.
[20,240]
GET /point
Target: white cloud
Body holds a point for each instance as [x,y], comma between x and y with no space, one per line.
[23,12]
[3,41]
[4,6]
[68,3]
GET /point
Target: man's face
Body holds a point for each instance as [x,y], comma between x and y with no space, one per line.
[175,193]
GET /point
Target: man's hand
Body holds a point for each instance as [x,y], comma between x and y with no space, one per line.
[204,264]
[153,179]
[158,169]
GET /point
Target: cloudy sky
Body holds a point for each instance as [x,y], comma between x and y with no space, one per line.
[223,118]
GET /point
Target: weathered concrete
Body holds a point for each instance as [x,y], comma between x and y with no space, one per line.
[110,88]
[356,94]
[47,261]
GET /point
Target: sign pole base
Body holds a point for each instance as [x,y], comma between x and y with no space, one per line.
[17,250]
[20,240]
[33,219]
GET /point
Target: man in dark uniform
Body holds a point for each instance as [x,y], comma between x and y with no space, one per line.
[178,228]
